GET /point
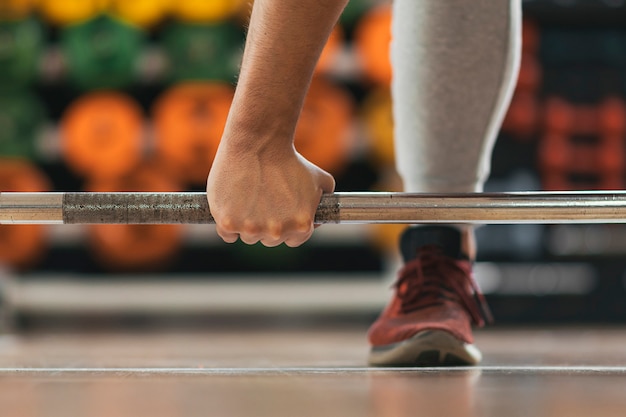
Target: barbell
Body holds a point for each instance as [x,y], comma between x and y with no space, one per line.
[353,207]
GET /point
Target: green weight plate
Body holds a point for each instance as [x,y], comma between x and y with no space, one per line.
[203,52]
[22,116]
[101,53]
[21,44]
[354,10]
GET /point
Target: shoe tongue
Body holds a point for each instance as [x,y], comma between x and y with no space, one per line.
[447,238]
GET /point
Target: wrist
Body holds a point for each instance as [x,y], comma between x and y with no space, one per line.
[258,139]
[258,129]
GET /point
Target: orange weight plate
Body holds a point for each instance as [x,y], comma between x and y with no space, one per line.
[136,247]
[21,246]
[331,51]
[530,74]
[531,37]
[323,132]
[605,119]
[522,116]
[558,115]
[189,120]
[553,152]
[102,135]
[372,40]
[612,117]
[610,157]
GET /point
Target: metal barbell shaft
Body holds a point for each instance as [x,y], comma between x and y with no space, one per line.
[371,207]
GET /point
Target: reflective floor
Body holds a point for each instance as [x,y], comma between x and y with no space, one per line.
[540,372]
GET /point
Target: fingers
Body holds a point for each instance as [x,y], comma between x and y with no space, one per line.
[228,237]
[272,233]
[302,234]
[226,230]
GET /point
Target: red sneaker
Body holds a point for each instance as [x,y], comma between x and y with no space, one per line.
[429,319]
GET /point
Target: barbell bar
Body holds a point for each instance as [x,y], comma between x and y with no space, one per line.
[353,207]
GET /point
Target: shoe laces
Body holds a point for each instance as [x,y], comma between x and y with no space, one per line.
[433,278]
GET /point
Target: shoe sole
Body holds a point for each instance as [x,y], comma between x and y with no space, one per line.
[427,348]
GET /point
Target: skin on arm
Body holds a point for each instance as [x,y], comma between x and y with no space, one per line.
[259,187]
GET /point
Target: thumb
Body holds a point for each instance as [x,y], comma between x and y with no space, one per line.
[326,182]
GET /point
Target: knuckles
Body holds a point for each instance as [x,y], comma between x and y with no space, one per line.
[271,232]
[274,231]
[226,223]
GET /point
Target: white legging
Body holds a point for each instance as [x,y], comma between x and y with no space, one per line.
[455,67]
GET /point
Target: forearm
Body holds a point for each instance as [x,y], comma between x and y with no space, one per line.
[285,40]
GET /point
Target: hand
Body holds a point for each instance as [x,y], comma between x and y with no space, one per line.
[265,195]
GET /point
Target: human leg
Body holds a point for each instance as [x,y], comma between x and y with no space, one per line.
[455,66]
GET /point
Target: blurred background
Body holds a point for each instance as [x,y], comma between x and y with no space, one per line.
[117,95]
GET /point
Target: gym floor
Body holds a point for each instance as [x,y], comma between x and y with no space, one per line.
[315,372]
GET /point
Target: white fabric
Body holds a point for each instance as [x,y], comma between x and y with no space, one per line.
[455,67]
